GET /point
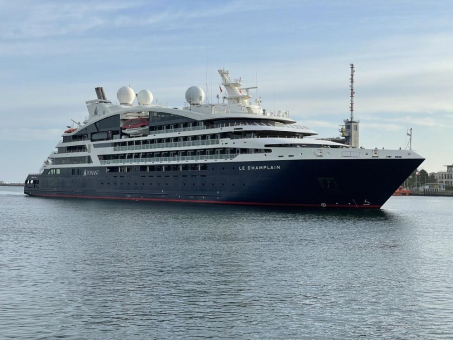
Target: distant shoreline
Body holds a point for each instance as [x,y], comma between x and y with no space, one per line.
[11,184]
[438,194]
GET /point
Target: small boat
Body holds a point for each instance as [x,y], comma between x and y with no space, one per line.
[401,192]
[137,131]
[70,130]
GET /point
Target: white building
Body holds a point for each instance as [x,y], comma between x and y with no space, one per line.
[445,177]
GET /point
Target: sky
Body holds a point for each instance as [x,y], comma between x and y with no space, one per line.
[54,53]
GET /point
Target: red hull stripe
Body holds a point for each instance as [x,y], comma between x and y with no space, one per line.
[216,202]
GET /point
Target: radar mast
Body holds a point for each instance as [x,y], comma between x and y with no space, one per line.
[350,130]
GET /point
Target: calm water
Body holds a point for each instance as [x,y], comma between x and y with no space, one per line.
[80,269]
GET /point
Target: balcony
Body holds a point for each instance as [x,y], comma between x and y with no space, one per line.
[168,159]
[165,145]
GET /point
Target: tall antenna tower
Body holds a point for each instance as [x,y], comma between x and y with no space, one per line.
[409,142]
[350,129]
[207,88]
[351,107]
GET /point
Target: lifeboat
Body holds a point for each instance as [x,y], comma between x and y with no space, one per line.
[136,126]
[401,192]
[70,130]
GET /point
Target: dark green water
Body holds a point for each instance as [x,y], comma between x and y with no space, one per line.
[78,269]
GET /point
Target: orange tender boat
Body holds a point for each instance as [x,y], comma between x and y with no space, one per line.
[401,192]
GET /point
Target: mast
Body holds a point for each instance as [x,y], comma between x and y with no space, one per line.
[409,142]
[351,107]
[350,129]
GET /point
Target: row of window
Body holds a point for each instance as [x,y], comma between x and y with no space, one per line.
[183,153]
[72,160]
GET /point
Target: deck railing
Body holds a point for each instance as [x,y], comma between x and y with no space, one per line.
[193,128]
[168,159]
[165,145]
[235,124]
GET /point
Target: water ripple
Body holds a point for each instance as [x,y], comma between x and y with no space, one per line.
[75,269]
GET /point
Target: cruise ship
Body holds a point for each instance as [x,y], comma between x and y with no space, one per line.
[229,152]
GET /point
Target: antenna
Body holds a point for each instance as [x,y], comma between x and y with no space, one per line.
[207,61]
[409,142]
[351,107]
[256,73]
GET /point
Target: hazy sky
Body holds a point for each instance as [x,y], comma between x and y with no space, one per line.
[54,53]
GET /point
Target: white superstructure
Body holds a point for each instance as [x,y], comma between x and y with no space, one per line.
[235,130]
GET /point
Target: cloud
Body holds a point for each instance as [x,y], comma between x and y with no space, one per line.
[48,19]
[17,134]
[53,19]
[381,127]
[318,123]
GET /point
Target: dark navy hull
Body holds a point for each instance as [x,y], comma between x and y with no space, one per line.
[361,183]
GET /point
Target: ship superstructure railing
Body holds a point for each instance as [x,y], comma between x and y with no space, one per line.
[165,145]
[193,128]
[230,124]
[168,159]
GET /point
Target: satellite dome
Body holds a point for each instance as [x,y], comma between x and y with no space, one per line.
[125,95]
[144,97]
[195,95]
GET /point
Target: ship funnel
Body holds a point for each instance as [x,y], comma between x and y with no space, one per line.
[100,93]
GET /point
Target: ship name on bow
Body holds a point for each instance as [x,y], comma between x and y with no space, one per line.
[260,167]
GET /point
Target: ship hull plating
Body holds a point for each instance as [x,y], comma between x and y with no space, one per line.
[360,183]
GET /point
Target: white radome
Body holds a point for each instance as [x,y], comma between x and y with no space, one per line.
[195,95]
[145,97]
[125,95]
